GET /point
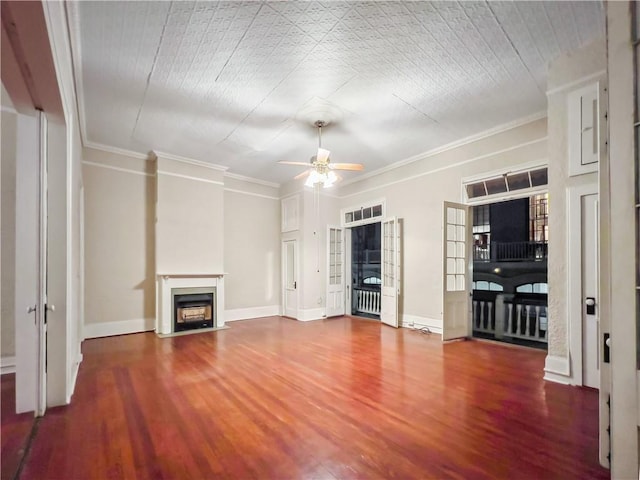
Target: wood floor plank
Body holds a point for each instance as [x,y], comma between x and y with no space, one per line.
[340,398]
[14,428]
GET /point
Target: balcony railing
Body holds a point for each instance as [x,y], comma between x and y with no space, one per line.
[367,300]
[516,316]
[510,252]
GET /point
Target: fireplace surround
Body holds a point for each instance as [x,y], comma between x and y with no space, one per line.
[201,299]
[193,308]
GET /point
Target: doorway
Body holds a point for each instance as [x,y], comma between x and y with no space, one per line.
[290,278]
[509,299]
[365,271]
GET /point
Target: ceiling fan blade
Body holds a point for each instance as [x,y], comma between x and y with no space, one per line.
[283,162]
[323,155]
[302,175]
[347,166]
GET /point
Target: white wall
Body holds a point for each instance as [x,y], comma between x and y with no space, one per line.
[252,250]
[8,240]
[416,192]
[189,218]
[119,242]
[566,74]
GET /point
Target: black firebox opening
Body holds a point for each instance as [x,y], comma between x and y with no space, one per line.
[193,311]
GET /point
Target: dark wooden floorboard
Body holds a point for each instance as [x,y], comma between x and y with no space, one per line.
[14,430]
[341,398]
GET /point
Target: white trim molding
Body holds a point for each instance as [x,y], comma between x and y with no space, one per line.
[574,278]
[8,109]
[251,194]
[189,177]
[251,312]
[557,369]
[118,151]
[7,364]
[415,321]
[123,327]
[117,169]
[450,146]
[577,83]
[445,167]
[257,181]
[190,161]
[308,314]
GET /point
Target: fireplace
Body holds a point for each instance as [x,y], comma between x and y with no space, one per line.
[193,308]
[170,285]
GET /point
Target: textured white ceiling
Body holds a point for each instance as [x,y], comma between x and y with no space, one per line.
[233,83]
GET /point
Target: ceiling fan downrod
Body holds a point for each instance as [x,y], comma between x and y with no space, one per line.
[320,124]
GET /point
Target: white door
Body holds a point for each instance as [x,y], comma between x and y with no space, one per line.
[43,304]
[590,324]
[348,273]
[390,272]
[290,278]
[335,272]
[457,301]
[30,261]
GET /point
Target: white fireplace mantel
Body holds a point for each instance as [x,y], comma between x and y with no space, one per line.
[168,281]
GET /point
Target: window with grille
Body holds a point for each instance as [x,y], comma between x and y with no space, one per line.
[539,218]
[508,182]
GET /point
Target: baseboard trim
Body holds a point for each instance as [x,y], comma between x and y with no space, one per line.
[74,377]
[415,321]
[557,369]
[109,329]
[7,364]
[252,312]
[309,314]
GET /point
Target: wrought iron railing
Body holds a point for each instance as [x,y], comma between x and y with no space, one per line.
[510,252]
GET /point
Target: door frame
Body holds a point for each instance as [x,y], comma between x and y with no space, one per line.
[348,258]
[328,269]
[296,272]
[43,236]
[574,267]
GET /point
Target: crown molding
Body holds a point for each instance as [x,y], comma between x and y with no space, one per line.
[116,150]
[117,169]
[257,181]
[452,165]
[449,146]
[577,83]
[190,161]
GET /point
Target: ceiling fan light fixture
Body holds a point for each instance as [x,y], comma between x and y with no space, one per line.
[331,179]
[326,179]
[313,178]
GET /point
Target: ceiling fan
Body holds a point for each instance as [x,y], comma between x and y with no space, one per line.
[321,171]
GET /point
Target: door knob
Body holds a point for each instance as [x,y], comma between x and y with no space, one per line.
[590,303]
[31,309]
[50,308]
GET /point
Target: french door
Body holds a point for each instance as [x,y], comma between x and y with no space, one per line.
[390,272]
[335,272]
[456,314]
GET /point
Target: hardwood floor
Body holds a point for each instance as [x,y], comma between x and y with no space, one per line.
[14,429]
[341,398]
